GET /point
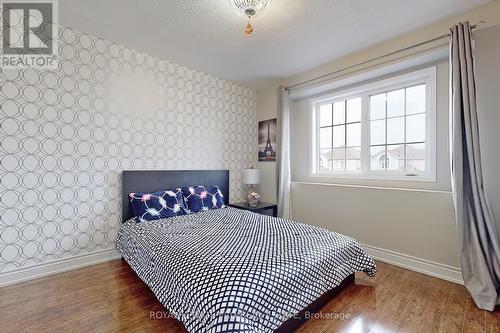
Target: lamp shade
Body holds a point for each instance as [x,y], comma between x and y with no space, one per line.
[251,176]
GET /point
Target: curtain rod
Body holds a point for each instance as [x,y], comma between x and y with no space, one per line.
[376,58]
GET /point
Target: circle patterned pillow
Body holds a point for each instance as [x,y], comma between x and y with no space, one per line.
[157,205]
[200,198]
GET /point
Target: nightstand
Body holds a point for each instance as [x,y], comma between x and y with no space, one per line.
[260,208]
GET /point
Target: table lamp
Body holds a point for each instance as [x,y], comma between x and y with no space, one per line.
[251,177]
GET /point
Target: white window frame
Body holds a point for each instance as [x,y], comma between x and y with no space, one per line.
[425,76]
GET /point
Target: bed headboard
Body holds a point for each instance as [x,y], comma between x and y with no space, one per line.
[157,180]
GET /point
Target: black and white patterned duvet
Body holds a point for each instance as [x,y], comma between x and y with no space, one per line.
[229,270]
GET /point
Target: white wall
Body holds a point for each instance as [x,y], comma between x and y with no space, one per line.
[488,94]
[413,222]
[67,134]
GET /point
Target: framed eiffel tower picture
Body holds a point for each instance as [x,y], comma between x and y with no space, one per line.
[267,140]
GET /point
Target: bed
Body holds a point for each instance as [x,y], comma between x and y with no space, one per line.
[230,270]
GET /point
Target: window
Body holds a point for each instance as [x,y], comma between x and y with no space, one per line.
[380,130]
[340,135]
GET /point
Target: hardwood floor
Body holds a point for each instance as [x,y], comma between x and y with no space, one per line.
[109,298]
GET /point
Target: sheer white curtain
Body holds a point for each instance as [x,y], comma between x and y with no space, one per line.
[479,248]
[284,178]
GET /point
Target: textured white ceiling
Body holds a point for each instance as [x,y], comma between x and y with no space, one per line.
[291,36]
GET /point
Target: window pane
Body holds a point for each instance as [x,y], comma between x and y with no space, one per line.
[396,103]
[415,157]
[353,135]
[354,110]
[339,113]
[325,137]
[395,158]
[396,130]
[339,159]
[353,159]
[415,128]
[325,160]
[377,106]
[339,136]
[325,115]
[377,158]
[377,132]
[415,99]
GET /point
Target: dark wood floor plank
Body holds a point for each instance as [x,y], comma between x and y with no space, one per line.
[493,322]
[352,312]
[109,297]
[353,318]
[382,293]
[434,310]
[335,306]
[454,315]
[475,319]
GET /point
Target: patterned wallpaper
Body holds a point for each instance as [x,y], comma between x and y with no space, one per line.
[65,136]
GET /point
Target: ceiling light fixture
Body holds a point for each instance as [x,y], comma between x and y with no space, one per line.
[249,8]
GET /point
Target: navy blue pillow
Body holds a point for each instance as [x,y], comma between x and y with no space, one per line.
[199,198]
[157,205]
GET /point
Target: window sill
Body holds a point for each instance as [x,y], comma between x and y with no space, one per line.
[384,188]
[374,176]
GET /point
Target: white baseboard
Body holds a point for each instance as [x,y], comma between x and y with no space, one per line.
[57,266]
[423,266]
[420,265]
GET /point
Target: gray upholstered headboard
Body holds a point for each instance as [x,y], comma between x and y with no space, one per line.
[157,180]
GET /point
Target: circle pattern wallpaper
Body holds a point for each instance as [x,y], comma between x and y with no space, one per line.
[66,135]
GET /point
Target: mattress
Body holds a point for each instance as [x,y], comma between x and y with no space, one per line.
[230,270]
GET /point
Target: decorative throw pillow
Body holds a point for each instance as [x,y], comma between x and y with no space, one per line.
[157,205]
[217,197]
[198,198]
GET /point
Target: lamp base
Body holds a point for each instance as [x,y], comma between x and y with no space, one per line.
[253,197]
[253,203]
